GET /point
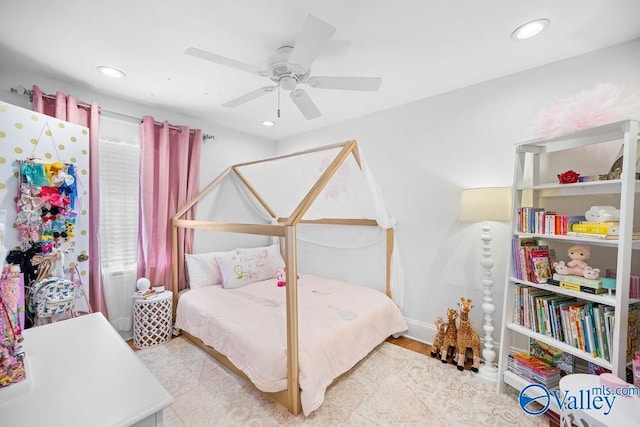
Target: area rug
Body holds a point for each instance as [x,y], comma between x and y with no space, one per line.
[392,386]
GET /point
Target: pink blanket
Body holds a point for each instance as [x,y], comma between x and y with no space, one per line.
[339,324]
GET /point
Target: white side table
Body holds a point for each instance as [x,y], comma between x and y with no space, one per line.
[152,320]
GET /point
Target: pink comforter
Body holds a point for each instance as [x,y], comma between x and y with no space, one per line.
[339,324]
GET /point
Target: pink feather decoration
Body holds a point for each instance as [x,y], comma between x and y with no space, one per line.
[603,103]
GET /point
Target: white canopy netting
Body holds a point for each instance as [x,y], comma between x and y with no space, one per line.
[350,193]
[281,188]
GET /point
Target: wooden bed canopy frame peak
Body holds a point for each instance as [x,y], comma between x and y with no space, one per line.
[285,228]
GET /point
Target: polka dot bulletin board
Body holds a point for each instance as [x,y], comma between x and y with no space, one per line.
[25,134]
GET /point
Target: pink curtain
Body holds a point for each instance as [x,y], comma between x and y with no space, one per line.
[67,107]
[169,177]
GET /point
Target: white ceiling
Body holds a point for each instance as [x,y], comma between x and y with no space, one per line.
[420,48]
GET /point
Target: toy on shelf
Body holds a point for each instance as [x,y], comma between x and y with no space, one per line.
[577,266]
[439,339]
[602,214]
[448,347]
[468,338]
[568,177]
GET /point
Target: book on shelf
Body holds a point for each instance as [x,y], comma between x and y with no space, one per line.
[519,245]
[529,217]
[580,288]
[596,227]
[558,358]
[578,280]
[595,369]
[584,325]
[633,335]
[634,236]
[148,294]
[539,221]
[608,314]
[531,261]
[540,264]
[601,332]
[534,369]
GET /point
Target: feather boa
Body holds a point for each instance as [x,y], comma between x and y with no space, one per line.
[603,103]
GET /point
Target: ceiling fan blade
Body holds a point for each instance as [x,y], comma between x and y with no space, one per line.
[203,54]
[249,96]
[371,84]
[305,104]
[315,35]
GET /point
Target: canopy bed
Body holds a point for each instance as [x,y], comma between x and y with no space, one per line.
[331,325]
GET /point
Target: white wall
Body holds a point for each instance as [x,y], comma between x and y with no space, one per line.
[229,146]
[424,153]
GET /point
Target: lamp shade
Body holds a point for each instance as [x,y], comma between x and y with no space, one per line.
[485,204]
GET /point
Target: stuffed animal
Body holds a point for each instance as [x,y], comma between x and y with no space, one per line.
[602,214]
[591,273]
[282,277]
[439,339]
[577,266]
[448,347]
[468,338]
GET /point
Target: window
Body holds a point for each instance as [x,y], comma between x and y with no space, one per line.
[119,166]
[119,154]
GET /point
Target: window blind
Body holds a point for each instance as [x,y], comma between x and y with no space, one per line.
[118,228]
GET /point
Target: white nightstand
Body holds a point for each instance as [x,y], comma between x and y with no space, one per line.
[152,320]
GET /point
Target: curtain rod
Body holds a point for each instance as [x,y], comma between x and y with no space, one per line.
[23,91]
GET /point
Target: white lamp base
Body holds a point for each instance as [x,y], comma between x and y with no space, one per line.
[488,374]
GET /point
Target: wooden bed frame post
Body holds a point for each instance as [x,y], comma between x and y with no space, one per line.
[293,369]
[174,267]
[390,233]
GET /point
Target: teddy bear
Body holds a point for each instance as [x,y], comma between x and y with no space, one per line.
[577,266]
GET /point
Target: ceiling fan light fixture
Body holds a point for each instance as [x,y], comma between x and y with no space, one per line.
[111,72]
[530,29]
[268,123]
[288,83]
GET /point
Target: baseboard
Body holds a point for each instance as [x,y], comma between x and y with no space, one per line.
[421,331]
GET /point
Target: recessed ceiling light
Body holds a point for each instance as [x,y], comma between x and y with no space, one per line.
[530,29]
[114,73]
[268,123]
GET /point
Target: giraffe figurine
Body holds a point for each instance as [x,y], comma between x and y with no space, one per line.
[450,337]
[439,339]
[467,337]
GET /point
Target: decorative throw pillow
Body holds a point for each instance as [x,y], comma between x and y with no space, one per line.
[203,270]
[249,265]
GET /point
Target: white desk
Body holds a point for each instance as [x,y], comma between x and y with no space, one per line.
[625,411]
[84,374]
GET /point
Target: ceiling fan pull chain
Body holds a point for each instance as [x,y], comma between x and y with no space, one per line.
[278,101]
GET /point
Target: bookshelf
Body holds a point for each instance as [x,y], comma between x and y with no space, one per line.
[535,185]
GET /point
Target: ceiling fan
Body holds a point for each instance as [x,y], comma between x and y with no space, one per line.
[290,66]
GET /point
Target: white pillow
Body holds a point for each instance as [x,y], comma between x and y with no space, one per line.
[203,270]
[249,265]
